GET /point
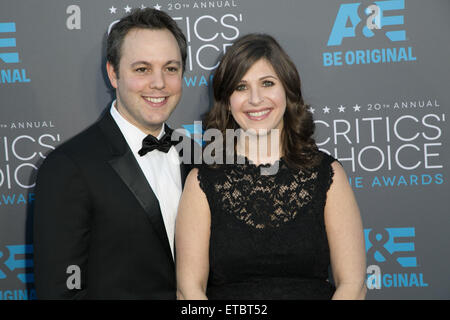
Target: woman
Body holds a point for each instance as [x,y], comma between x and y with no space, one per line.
[241,234]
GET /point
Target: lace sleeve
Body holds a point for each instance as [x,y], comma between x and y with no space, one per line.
[204,179]
[326,172]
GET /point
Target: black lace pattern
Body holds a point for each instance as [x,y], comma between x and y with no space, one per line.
[272,226]
[262,201]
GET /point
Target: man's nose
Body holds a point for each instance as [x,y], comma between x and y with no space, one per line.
[157,80]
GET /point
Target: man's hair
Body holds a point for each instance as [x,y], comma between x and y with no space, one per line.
[141,19]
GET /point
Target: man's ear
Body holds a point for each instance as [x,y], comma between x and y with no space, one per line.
[111,74]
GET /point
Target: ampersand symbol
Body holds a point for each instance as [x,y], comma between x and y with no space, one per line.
[378,238]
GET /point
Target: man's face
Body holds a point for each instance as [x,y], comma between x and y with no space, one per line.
[149,84]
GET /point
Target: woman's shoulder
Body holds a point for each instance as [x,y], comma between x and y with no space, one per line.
[330,170]
[201,178]
[326,159]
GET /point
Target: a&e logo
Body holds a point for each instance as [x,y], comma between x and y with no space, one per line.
[376,19]
[353,19]
[394,249]
[16,263]
[391,244]
[14,260]
[9,55]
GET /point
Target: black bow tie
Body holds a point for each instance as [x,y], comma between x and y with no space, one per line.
[151,143]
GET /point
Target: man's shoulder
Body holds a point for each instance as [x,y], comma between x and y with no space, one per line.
[81,140]
[82,145]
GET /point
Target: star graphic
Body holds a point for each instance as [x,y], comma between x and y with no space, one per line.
[127,9]
[356,107]
[326,110]
[157,7]
[312,110]
[142,6]
[341,108]
[112,10]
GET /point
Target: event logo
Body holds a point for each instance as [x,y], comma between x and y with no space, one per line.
[20,157]
[394,249]
[376,18]
[6,57]
[16,262]
[398,149]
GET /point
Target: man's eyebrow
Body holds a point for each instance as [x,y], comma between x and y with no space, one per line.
[173,62]
[146,63]
[140,63]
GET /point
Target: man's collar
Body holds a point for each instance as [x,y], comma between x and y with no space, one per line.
[124,124]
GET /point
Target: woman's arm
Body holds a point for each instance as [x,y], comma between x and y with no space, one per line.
[345,237]
[192,233]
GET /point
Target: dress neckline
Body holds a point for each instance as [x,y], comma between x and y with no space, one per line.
[250,163]
[243,163]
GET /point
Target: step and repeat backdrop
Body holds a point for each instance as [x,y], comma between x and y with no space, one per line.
[375,73]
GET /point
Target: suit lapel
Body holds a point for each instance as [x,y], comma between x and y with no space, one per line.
[125,165]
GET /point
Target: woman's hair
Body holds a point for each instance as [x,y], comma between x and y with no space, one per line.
[297,145]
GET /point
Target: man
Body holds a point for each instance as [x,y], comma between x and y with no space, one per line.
[106,200]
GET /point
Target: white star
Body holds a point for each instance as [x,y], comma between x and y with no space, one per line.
[142,6]
[127,9]
[326,110]
[312,110]
[157,7]
[341,108]
[112,10]
[356,107]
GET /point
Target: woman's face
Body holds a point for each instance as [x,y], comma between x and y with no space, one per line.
[259,100]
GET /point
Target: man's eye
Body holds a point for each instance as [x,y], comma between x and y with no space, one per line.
[141,69]
[172,69]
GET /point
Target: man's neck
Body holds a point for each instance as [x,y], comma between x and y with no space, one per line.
[155,131]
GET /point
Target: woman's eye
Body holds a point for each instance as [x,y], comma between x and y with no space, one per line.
[268,83]
[240,87]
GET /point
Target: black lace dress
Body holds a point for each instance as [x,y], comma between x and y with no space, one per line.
[268,238]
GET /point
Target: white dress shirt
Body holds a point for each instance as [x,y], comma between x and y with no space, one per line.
[162,171]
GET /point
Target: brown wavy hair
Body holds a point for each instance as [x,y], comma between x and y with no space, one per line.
[298,148]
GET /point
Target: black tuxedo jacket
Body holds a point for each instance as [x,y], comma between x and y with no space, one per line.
[94,209]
